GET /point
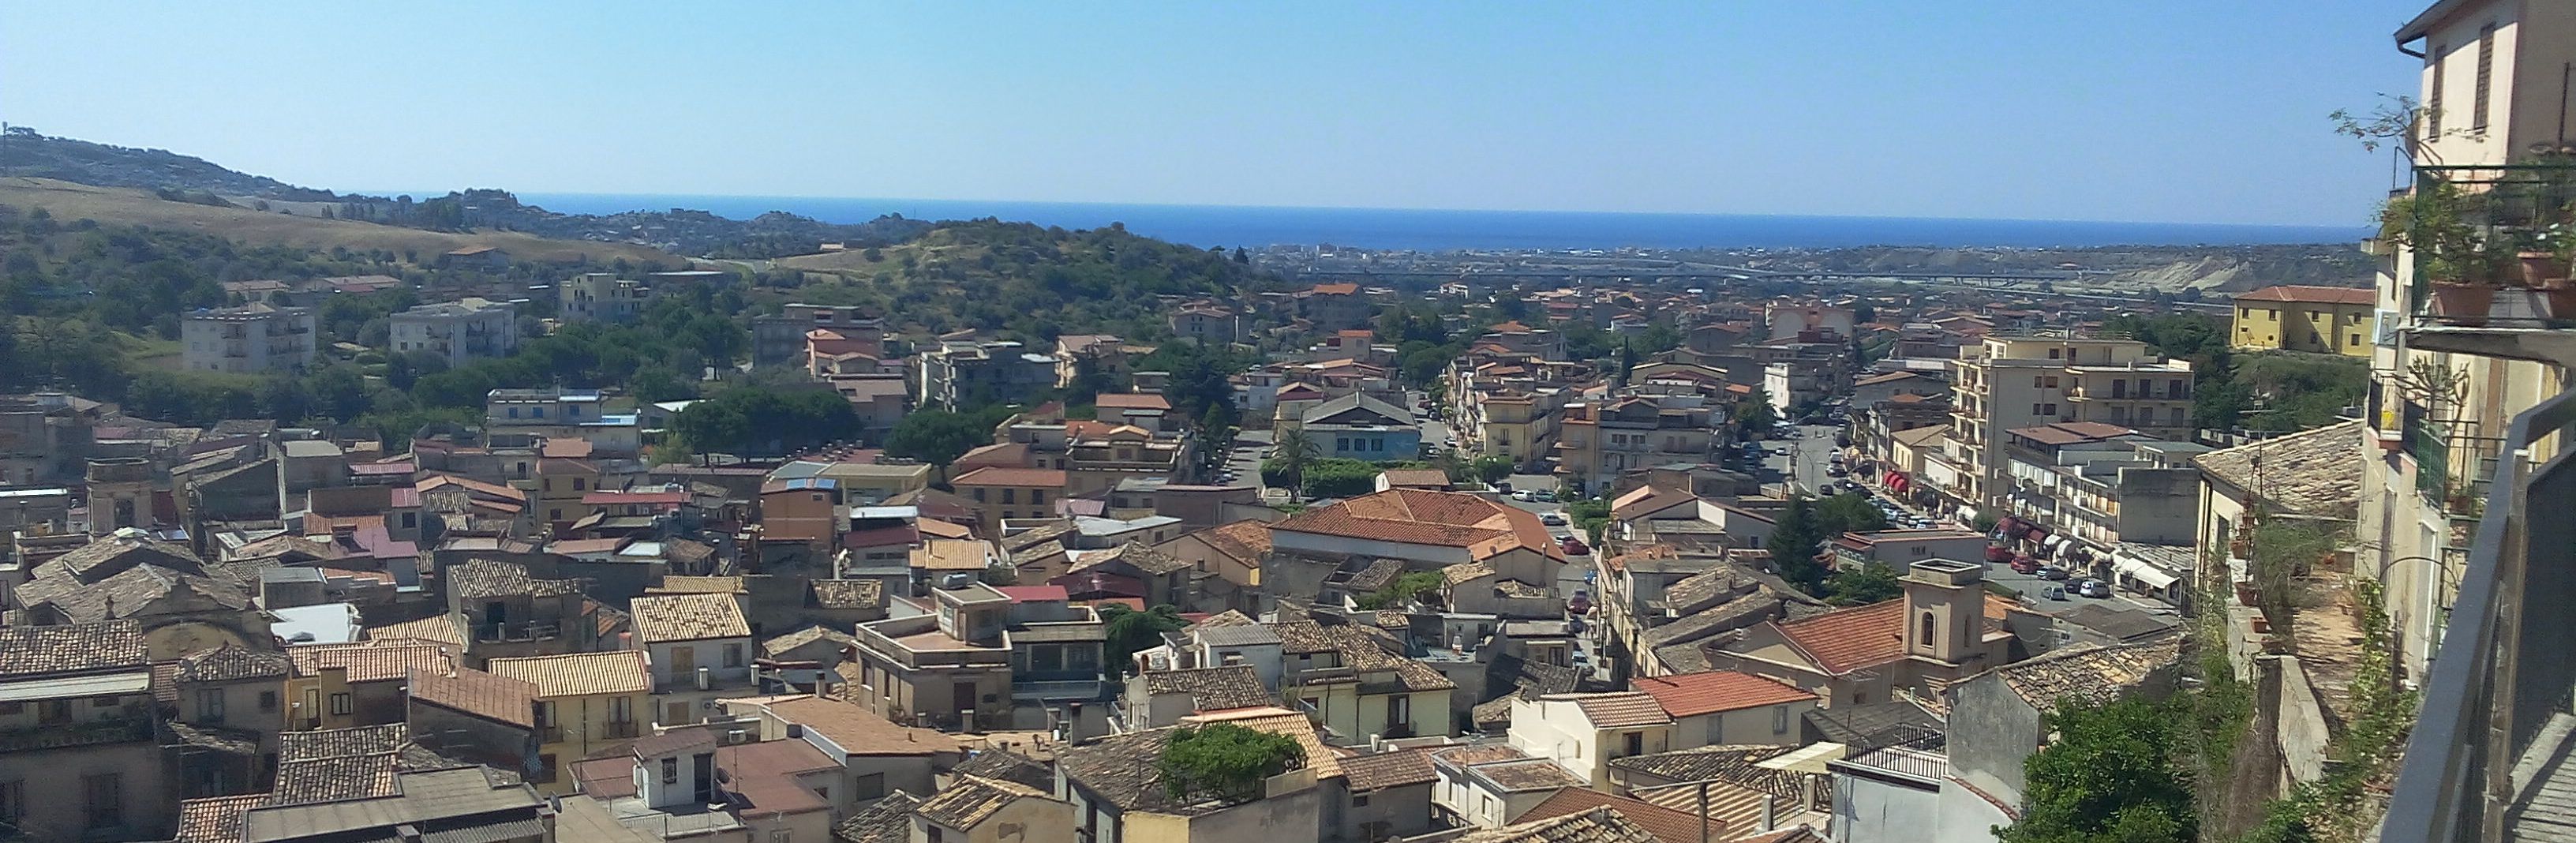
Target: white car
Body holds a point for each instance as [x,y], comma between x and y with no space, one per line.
[1551,519]
[1525,496]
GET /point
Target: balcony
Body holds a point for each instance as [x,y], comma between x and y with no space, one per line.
[619,729]
[502,633]
[132,725]
[2487,751]
[2466,224]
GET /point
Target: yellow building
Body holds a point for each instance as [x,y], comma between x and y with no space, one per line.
[2325,320]
[586,703]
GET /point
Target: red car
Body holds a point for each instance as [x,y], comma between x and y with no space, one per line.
[1574,547]
[2025,565]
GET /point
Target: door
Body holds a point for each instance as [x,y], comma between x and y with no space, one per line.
[962,697]
[704,765]
[684,664]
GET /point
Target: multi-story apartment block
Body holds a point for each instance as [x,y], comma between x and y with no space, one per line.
[2005,383]
[460,331]
[586,703]
[77,756]
[2084,488]
[2324,320]
[1333,307]
[1598,444]
[540,407]
[984,659]
[780,339]
[601,297]
[1207,323]
[970,374]
[252,338]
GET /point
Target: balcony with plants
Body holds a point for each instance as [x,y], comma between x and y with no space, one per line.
[2494,246]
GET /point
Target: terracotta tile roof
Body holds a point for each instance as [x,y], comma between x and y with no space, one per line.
[2087,675]
[688,617]
[782,644]
[2307,473]
[1693,694]
[435,628]
[994,475]
[579,674]
[1000,763]
[1843,641]
[1388,769]
[858,731]
[848,594]
[231,662]
[1601,825]
[935,528]
[952,555]
[76,648]
[1423,516]
[2363,296]
[1648,500]
[1666,824]
[478,579]
[1621,709]
[1132,400]
[368,662]
[698,585]
[1738,765]
[1528,775]
[1212,688]
[1143,557]
[1462,573]
[216,819]
[1426,478]
[465,690]
[887,821]
[966,802]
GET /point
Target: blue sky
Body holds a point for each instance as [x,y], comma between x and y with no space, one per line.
[2174,110]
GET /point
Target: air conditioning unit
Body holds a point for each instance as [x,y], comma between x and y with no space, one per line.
[733,736]
[706,678]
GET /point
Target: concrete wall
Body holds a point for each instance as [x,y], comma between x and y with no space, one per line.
[1991,732]
[1394,811]
[1874,809]
[55,782]
[1767,726]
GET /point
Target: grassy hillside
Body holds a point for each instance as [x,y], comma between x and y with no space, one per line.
[1023,279]
[127,206]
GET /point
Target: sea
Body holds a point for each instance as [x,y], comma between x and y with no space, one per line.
[1447,230]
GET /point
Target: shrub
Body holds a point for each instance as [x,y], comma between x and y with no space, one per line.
[1225,762]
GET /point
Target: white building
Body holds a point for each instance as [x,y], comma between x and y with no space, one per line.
[601,296]
[460,331]
[252,338]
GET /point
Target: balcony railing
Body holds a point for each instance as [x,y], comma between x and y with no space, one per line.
[619,729]
[507,632]
[2468,223]
[2501,673]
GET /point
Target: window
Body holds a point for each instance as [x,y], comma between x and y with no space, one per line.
[733,655]
[1010,496]
[514,412]
[670,771]
[210,705]
[1046,659]
[1037,496]
[411,520]
[2486,77]
[2244,313]
[1717,729]
[104,795]
[1779,720]
[2037,382]
[546,768]
[870,786]
[1359,800]
[340,703]
[13,802]
[2433,100]
[1926,637]
[104,701]
[53,711]
[934,833]
[579,484]
[1636,743]
[779,836]
[621,710]
[979,494]
[2048,409]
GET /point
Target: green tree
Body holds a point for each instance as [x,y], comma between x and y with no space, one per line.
[2110,776]
[1871,583]
[1224,762]
[1130,631]
[1492,468]
[1294,448]
[1754,416]
[1796,539]
[1848,513]
[1404,588]
[939,437]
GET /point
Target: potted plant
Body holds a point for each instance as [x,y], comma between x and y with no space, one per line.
[2450,255]
[2557,292]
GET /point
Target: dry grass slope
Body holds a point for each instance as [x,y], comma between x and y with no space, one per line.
[126,206]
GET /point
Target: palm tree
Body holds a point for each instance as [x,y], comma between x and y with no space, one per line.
[1130,630]
[1294,449]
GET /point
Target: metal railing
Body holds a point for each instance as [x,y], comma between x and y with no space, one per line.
[2495,211]
[2483,702]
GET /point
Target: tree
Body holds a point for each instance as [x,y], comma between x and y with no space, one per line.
[1130,631]
[1591,515]
[1872,583]
[1404,588]
[1848,513]
[2110,776]
[1491,468]
[1224,762]
[938,437]
[1294,450]
[1753,414]
[1796,538]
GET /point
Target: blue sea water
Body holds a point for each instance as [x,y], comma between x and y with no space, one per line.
[1437,230]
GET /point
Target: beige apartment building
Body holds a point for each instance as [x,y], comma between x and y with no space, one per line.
[252,338]
[2445,389]
[2013,382]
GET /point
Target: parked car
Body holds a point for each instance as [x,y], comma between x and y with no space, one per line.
[1836,471]
[1552,519]
[1544,495]
[2052,572]
[1580,603]
[1525,496]
[2093,588]
[2025,565]
[1575,547]
[2056,592]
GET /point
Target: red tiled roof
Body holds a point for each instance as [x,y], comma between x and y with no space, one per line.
[1666,824]
[667,498]
[1343,289]
[994,475]
[2313,295]
[1692,694]
[1131,401]
[1621,709]
[1032,593]
[475,692]
[1846,640]
[1423,516]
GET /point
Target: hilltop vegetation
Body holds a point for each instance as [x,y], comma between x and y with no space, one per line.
[23,152]
[1031,282]
[307,229]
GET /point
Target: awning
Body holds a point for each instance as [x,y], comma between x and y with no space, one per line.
[2143,573]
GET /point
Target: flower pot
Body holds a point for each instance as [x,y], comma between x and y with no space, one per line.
[2560,300]
[2463,303]
[2537,267]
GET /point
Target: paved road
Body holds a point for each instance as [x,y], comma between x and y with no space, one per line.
[1810,453]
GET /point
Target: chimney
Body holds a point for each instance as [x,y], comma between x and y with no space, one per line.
[1763,822]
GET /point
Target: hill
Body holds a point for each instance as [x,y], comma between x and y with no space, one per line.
[23,152]
[1031,281]
[130,206]
[27,154]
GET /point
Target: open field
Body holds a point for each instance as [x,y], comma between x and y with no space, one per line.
[125,206]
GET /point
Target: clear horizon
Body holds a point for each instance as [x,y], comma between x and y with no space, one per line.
[1882,109]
